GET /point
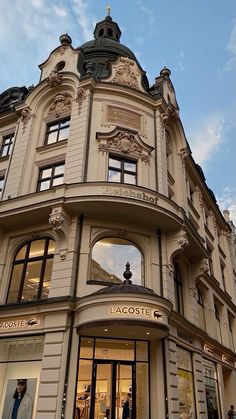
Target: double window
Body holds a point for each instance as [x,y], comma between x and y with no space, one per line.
[51,176]
[31,274]
[122,170]
[6,145]
[57,131]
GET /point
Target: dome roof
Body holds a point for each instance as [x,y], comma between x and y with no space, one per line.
[95,55]
[126,288]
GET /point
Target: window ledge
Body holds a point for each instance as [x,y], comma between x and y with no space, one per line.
[48,147]
[5,158]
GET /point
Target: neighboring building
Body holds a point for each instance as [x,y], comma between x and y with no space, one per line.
[95,172]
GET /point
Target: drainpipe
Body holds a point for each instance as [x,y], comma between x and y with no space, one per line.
[64,399]
[160,262]
[88,137]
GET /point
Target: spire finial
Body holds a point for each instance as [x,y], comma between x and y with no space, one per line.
[127,274]
[108,10]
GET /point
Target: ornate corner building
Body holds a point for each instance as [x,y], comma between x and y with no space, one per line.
[117,268]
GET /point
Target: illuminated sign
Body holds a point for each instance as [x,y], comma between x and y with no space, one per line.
[20,323]
[130,193]
[136,311]
[208,350]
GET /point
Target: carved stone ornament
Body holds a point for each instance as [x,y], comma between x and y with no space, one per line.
[183,154]
[183,241]
[127,144]
[54,79]
[204,266]
[125,73]
[60,105]
[60,222]
[80,98]
[171,270]
[26,115]
[195,293]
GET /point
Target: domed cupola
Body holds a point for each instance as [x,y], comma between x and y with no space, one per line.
[96,56]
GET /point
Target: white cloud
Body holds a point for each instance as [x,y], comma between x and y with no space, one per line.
[227,201]
[60,11]
[84,18]
[181,61]
[231,47]
[150,24]
[205,140]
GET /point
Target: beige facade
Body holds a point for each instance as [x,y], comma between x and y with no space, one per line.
[98,172]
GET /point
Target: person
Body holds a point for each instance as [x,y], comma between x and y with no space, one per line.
[125,414]
[232,412]
[21,406]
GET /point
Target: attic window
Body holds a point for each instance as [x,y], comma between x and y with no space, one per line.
[60,66]
[110,32]
[101,32]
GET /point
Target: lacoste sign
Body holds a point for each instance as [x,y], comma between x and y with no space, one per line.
[20,323]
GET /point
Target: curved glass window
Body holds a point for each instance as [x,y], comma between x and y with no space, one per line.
[109,257]
[32,269]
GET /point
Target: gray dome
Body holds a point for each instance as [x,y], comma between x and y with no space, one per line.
[96,55]
[127,288]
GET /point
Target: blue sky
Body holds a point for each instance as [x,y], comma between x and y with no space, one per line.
[196,39]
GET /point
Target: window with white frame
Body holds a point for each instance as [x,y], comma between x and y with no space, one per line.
[57,131]
[6,145]
[122,170]
[51,176]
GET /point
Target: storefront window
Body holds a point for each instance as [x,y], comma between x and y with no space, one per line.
[114,381]
[185,384]
[109,258]
[20,366]
[211,388]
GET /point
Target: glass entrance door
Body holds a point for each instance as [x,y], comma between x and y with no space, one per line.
[113,390]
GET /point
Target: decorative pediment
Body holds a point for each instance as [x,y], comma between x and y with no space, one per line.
[124,142]
[60,106]
[126,72]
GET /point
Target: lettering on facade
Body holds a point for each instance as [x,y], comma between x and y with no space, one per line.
[120,116]
[129,193]
[184,336]
[136,311]
[30,323]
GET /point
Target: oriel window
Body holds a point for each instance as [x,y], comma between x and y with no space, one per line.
[57,131]
[122,170]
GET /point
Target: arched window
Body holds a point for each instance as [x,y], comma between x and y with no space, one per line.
[109,257]
[179,305]
[31,273]
[201,310]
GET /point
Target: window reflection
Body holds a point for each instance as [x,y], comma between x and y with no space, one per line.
[109,257]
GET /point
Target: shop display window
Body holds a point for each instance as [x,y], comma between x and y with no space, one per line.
[114,381]
[211,389]
[20,367]
[109,258]
[185,384]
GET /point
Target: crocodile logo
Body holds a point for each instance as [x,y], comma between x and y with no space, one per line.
[33,322]
[157,315]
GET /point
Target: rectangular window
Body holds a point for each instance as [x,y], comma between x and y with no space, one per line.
[57,131]
[51,176]
[122,171]
[6,146]
[211,389]
[185,383]
[1,183]
[20,367]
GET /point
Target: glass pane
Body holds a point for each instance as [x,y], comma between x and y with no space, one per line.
[114,349]
[58,181]
[84,388]
[21,349]
[4,151]
[184,359]
[44,185]
[53,126]
[47,278]
[142,391]
[129,178]
[59,169]
[15,283]
[65,123]
[114,163]
[114,176]
[37,248]
[51,247]
[109,257]
[21,253]
[103,391]
[52,137]
[86,347]
[186,395]
[141,351]
[130,166]
[31,282]
[124,392]
[63,134]
[46,173]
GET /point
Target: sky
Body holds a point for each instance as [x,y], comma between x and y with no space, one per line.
[195,39]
